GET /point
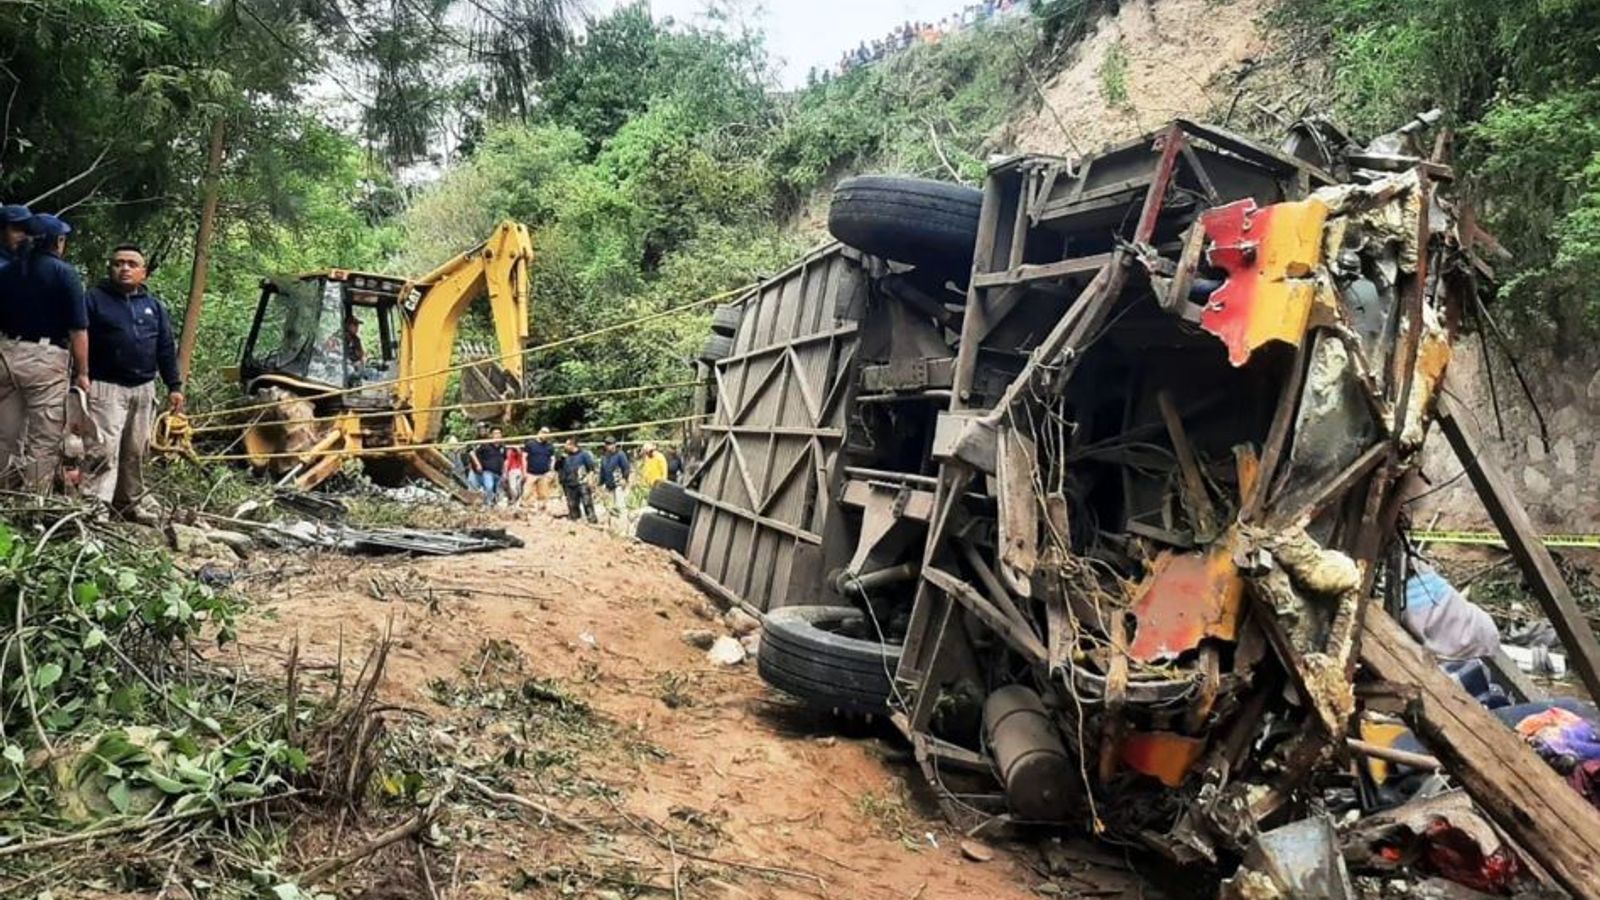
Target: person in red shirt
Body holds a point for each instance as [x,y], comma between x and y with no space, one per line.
[516,475]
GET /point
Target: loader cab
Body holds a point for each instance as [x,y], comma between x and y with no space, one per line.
[326,330]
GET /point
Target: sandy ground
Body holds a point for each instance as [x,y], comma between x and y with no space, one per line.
[604,617]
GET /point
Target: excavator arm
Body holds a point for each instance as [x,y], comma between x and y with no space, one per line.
[499,268]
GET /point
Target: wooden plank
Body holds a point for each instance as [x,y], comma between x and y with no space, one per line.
[1195,497]
[1314,500]
[1552,822]
[1194,243]
[1278,433]
[1511,520]
[1018,518]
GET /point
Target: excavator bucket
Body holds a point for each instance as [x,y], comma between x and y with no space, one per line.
[489,393]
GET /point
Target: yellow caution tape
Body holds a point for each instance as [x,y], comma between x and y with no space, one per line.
[1493,539]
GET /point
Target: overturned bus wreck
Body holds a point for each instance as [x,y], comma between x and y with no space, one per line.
[1094,484]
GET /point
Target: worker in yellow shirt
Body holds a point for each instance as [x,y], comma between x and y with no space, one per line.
[652,466]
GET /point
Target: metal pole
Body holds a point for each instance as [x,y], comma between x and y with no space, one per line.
[202,251]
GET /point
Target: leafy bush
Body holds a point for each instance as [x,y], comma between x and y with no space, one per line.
[1520,83]
[99,719]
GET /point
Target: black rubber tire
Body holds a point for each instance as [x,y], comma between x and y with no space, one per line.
[725,319]
[718,346]
[663,531]
[910,220]
[802,655]
[672,499]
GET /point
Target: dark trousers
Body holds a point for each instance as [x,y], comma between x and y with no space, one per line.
[580,502]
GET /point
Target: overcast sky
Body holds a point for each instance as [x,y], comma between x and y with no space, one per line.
[806,33]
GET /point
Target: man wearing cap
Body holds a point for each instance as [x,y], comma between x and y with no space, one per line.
[539,455]
[13,232]
[130,342]
[44,343]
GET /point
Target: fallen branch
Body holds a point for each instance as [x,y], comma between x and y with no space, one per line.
[677,885]
[67,840]
[939,149]
[411,828]
[561,819]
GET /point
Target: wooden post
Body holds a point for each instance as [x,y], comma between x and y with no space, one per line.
[1555,597]
[202,251]
[1549,820]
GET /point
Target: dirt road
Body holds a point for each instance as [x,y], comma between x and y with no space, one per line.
[681,776]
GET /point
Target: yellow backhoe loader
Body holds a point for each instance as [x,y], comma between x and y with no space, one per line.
[355,364]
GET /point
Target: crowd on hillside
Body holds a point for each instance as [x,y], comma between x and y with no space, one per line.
[911,33]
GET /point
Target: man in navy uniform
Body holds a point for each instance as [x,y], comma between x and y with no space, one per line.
[13,232]
[130,343]
[44,344]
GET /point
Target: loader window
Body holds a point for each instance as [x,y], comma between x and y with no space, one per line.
[370,347]
[283,338]
[323,331]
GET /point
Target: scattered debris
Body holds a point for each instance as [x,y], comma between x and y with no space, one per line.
[1118,518]
[976,852]
[699,638]
[726,651]
[340,538]
[740,623]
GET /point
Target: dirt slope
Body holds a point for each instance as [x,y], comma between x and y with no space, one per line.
[1159,59]
[763,782]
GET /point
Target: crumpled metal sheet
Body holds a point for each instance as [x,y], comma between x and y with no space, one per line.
[1161,755]
[1300,859]
[1187,598]
[1269,254]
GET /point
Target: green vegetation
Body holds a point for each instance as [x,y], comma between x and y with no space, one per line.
[105,715]
[1520,83]
[657,164]
[662,168]
[1114,76]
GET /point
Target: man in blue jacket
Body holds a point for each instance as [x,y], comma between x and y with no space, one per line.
[615,470]
[130,342]
[577,466]
[44,343]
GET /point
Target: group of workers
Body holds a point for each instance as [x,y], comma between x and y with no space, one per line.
[64,349]
[509,473]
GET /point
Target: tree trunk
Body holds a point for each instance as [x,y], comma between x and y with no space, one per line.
[202,251]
